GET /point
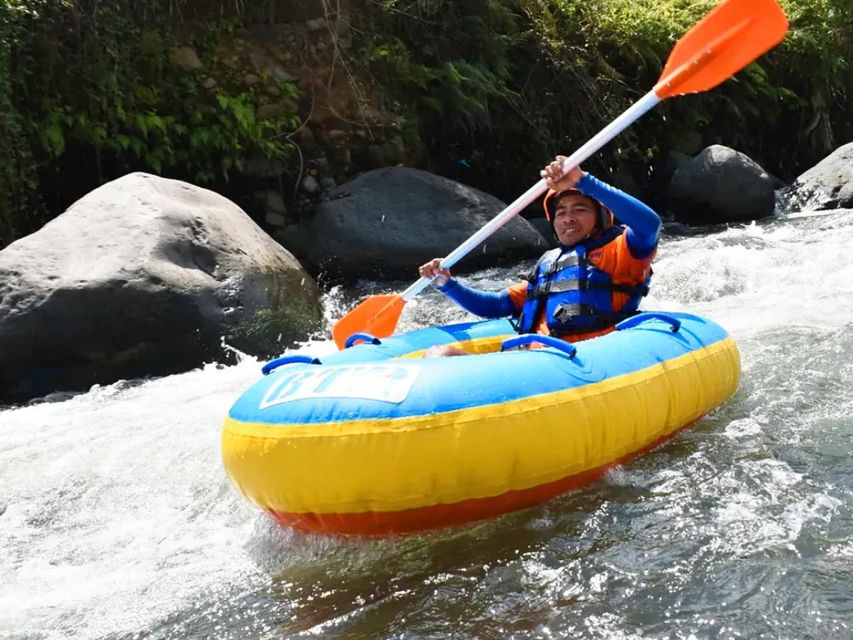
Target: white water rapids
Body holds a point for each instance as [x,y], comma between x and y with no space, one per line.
[117,520]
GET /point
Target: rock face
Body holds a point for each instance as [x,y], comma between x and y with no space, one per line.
[388,221]
[720,185]
[143,276]
[827,185]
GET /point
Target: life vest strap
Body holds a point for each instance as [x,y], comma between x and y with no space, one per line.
[571,259]
[541,290]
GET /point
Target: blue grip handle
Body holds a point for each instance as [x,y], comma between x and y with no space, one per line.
[528,338]
[283,360]
[364,337]
[640,318]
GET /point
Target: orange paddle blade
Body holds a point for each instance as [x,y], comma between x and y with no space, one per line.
[378,316]
[732,35]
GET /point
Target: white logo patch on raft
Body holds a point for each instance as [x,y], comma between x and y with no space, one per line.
[382,382]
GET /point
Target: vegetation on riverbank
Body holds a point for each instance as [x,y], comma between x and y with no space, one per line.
[92,90]
[486,88]
[505,84]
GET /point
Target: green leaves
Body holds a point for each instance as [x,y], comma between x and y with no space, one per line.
[53,138]
[518,80]
[451,67]
[499,84]
[240,109]
[92,85]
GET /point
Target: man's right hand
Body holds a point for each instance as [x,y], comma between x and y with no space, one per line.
[434,272]
[556,179]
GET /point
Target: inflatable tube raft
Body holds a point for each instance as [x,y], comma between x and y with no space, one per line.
[375,439]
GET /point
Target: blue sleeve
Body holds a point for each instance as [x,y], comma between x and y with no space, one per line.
[642,221]
[485,304]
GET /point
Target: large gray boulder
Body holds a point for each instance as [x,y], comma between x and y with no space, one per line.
[388,221]
[827,185]
[720,185]
[143,276]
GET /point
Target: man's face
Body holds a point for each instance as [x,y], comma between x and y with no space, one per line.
[574,218]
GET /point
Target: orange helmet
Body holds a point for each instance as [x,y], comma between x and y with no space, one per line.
[605,216]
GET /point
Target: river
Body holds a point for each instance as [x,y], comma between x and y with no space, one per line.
[117,520]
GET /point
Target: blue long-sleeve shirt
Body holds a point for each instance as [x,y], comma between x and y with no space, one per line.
[642,221]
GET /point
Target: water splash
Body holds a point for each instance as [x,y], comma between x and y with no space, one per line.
[116,520]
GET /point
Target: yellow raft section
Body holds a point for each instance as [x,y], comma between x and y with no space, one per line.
[386,475]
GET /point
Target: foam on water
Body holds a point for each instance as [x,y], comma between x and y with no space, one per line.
[759,277]
[116,519]
[114,507]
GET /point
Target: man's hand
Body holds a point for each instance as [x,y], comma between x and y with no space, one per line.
[435,273]
[553,174]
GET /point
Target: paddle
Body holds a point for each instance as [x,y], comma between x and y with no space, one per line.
[728,38]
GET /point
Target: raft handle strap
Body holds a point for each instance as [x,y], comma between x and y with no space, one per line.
[673,322]
[363,337]
[283,360]
[529,338]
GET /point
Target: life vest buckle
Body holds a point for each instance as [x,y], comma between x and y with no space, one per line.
[562,313]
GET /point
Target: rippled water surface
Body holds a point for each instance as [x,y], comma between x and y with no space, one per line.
[116,519]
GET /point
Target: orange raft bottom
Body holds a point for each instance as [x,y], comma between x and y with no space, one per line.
[373,523]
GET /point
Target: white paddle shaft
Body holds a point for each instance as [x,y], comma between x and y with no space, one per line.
[607,134]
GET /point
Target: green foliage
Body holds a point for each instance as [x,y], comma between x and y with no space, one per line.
[18,172]
[448,68]
[91,90]
[511,82]
[492,88]
[449,82]
[619,48]
[454,95]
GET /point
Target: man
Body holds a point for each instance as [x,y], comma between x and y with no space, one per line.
[593,280]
